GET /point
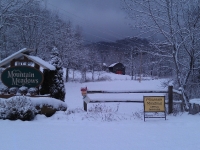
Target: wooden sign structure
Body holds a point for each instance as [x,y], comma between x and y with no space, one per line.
[23,69]
[154,104]
[19,76]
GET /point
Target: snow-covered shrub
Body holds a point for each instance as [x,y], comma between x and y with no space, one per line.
[23,90]
[18,107]
[100,108]
[48,110]
[18,94]
[48,106]
[103,113]
[74,111]
[138,115]
[32,91]
[178,109]
[2,109]
[13,90]
[104,78]
[4,89]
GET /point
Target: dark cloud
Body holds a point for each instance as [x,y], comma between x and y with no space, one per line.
[101,20]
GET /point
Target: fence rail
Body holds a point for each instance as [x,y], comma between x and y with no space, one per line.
[88,100]
[135,91]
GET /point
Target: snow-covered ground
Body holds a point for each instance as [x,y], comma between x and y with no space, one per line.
[117,126]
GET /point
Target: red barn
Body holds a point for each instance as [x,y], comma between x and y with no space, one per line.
[117,68]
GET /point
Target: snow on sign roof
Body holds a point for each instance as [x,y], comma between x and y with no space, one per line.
[16,55]
[24,52]
[41,62]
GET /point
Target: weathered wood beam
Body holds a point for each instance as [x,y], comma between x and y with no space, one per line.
[95,92]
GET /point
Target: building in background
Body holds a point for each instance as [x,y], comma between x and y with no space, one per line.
[117,68]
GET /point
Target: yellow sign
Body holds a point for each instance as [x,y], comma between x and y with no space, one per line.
[154,103]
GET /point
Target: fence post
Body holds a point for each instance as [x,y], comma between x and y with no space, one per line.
[85,105]
[84,94]
[170,99]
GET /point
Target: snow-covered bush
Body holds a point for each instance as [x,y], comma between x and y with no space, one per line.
[48,106]
[13,90]
[138,115]
[18,107]
[100,108]
[4,89]
[48,110]
[2,109]
[23,90]
[104,78]
[103,113]
[32,91]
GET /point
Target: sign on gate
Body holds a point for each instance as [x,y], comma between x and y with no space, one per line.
[154,104]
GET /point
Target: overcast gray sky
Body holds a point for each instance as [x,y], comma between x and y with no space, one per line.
[101,20]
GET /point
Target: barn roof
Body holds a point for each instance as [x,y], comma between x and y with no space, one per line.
[113,64]
[25,52]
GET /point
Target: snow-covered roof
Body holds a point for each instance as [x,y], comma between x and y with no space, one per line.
[41,62]
[113,64]
[23,52]
[16,55]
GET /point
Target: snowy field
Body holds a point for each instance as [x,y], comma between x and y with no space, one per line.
[118,126]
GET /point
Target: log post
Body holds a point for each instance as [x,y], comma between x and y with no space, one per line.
[84,94]
[84,105]
[170,99]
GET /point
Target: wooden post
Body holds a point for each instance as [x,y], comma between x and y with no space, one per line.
[170,99]
[84,94]
[85,105]
[12,63]
[37,66]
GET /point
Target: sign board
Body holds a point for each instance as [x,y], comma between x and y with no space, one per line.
[19,76]
[154,104]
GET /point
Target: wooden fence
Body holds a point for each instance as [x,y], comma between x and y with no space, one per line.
[85,92]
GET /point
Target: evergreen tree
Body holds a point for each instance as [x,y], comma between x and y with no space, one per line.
[57,90]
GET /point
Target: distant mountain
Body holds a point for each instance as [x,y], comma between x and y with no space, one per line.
[123,44]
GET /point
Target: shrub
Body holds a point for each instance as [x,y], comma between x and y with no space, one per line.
[33,91]
[48,110]
[2,109]
[17,108]
[23,90]
[4,89]
[13,90]
[104,113]
[104,78]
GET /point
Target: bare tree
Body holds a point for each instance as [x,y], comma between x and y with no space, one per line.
[176,23]
[8,13]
